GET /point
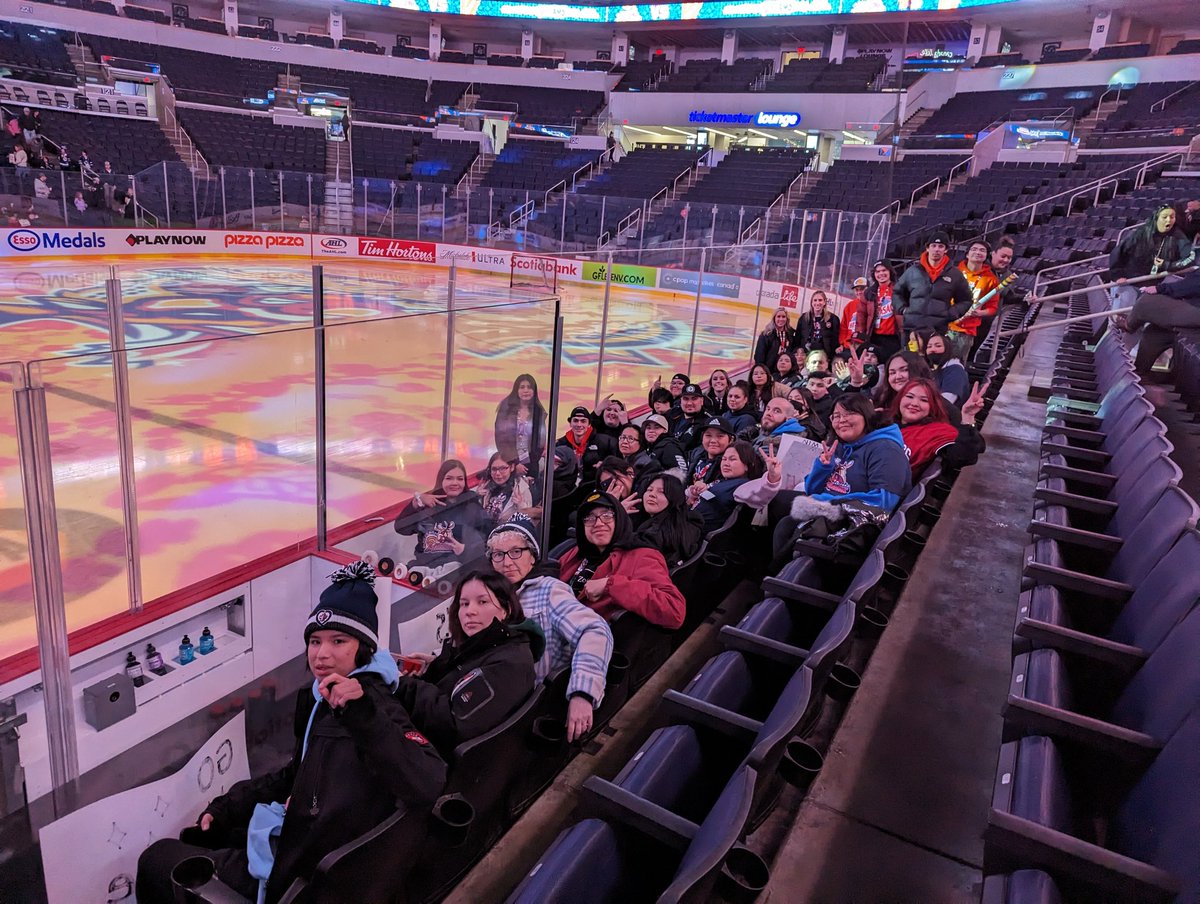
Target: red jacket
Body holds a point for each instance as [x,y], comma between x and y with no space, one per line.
[856,323]
[638,582]
[922,443]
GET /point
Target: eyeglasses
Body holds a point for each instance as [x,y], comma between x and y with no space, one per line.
[627,439]
[843,415]
[600,518]
[499,469]
[497,556]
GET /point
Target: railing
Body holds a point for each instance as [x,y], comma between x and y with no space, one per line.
[1041,280]
[1095,117]
[1140,168]
[521,214]
[166,104]
[630,222]
[1160,105]
[888,209]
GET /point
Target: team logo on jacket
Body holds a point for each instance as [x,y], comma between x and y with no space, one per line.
[837,482]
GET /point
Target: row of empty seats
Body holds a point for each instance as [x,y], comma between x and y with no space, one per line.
[1129,50]
[958,122]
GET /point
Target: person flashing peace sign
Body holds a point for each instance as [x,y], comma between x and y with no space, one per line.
[924,421]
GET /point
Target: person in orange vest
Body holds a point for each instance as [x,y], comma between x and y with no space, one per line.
[982,280]
[858,319]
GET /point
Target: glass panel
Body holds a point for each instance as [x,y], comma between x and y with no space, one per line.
[225,457]
[18,628]
[87,490]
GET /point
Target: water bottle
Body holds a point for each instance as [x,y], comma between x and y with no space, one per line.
[133,669]
[186,651]
[154,660]
[207,643]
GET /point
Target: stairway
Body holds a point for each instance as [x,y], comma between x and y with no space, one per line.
[915,122]
[475,175]
[337,216]
[87,67]
[1087,125]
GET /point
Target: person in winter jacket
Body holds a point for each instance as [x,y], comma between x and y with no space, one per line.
[779,336]
[718,389]
[802,400]
[662,450]
[716,438]
[484,671]
[358,758]
[932,292]
[786,373]
[948,371]
[858,319]
[502,492]
[979,276]
[665,521]
[1163,309]
[687,429]
[448,521]
[864,461]
[924,422]
[762,387]
[589,446]
[521,427]
[612,574]
[610,417]
[778,420]
[900,368]
[576,637]
[818,327]
[1154,248]
[714,500]
[886,333]
[741,416]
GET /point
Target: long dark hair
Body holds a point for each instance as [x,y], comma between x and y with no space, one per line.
[918,367]
[873,285]
[937,405]
[857,403]
[755,467]
[445,468]
[505,595]
[1154,242]
[758,396]
[511,403]
[675,528]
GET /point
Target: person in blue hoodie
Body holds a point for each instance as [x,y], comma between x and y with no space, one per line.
[358,759]
[863,461]
[778,420]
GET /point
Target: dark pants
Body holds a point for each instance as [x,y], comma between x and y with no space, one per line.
[1161,315]
[157,861]
[886,346]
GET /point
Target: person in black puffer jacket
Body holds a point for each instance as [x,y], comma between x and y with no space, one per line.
[932,293]
[485,670]
[358,758]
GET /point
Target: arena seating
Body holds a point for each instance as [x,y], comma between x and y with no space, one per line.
[639,75]
[713,75]
[750,178]
[1122,51]
[862,185]
[1175,123]
[241,139]
[957,122]
[130,144]
[1064,56]
[524,170]
[146,14]
[402,154]
[1000,59]
[1187,45]
[36,54]
[537,105]
[852,74]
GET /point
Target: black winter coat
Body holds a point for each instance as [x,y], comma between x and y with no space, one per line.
[363,763]
[463,519]
[923,303]
[806,339]
[1134,255]
[599,446]
[767,350]
[471,689]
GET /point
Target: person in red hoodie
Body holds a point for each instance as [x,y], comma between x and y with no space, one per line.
[886,335]
[858,319]
[924,421]
[613,574]
[982,280]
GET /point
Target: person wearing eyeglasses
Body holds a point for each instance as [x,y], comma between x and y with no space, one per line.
[575,635]
[502,492]
[611,573]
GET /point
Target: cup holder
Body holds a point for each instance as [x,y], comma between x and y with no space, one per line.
[549,734]
[735,558]
[894,579]
[913,538]
[801,763]
[743,876]
[872,621]
[931,510]
[452,818]
[843,682]
[195,882]
[715,560]
[618,668]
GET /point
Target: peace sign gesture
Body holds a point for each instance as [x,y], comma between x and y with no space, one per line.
[856,367]
[974,403]
[774,466]
[828,448]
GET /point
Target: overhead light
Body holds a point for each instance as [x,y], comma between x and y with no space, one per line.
[678,131]
[635,129]
[725,134]
[762,134]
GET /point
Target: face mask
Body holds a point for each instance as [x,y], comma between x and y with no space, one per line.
[937,359]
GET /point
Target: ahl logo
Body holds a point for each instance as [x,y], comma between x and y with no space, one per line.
[333,244]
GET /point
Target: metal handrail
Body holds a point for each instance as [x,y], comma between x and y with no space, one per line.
[1100,103]
[888,209]
[521,214]
[936,182]
[1032,207]
[1038,280]
[1159,105]
[966,161]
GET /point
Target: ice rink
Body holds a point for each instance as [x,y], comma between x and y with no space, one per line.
[221,373]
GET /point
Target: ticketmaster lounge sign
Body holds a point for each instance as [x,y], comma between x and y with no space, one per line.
[764,119]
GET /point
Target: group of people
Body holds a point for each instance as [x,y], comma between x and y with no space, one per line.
[99,186]
[376,730]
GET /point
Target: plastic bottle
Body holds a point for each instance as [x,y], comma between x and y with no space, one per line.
[154,660]
[186,651]
[207,643]
[133,669]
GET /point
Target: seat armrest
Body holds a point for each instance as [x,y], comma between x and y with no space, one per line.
[1100,479]
[680,706]
[1134,748]
[603,798]
[1081,453]
[1045,635]
[1075,501]
[1076,537]
[1100,588]
[744,642]
[1118,879]
[798,593]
